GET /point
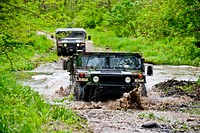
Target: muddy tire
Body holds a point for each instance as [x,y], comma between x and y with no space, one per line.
[78,92]
[59,51]
[97,96]
[65,65]
[92,94]
[143,90]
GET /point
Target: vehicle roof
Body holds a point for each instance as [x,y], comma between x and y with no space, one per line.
[112,53]
[70,29]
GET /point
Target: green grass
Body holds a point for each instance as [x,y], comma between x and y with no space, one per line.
[23,110]
[173,51]
[152,116]
[194,108]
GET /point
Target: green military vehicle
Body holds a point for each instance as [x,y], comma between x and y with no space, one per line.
[69,40]
[97,75]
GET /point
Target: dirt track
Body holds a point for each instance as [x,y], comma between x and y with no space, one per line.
[106,118]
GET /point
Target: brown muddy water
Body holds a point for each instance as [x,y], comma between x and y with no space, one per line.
[106,117]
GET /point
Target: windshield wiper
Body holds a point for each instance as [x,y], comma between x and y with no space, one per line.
[88,60]
[119,63]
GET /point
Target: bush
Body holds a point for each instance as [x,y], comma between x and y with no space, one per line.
[173,51]
[23,110]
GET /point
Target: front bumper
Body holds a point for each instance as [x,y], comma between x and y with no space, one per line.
[111,89]
[73,48]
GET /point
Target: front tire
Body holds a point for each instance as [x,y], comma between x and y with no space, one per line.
[65,64]
[78,92]
[143,90]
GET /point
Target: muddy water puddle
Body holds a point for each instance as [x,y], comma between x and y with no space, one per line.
[46,79]
[105,117]
[166,72]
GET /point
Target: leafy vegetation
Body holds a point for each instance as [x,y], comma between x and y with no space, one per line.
[176,51]
[21,58]
[23,110]
[165,32]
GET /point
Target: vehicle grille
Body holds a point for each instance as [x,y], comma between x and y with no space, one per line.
[112,79]
[71,44]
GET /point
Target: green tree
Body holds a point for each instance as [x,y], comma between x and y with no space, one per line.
[15,28]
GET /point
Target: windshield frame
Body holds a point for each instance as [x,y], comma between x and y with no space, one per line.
[70,34]
[107,61]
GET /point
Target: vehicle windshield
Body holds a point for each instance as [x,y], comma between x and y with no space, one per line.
[111,61]
[93,61]
[124,61]
[70,34]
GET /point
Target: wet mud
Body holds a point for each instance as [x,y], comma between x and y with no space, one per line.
[179,88]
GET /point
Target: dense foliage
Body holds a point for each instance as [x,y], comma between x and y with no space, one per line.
[174,51]
[165,32]
[23,110]
[18,39]
[161,24]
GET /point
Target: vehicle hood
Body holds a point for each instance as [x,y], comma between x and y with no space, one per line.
[113,72]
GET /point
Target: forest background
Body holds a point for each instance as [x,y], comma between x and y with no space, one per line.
[164,31]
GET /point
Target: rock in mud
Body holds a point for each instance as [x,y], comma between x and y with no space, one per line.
[151,125]
[191,119]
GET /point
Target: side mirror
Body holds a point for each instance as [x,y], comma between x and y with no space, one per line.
[142,62]
[89,37]
[149,70]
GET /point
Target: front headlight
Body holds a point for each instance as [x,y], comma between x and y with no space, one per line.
[78,45]
[96,79]
[127,79]
[65,45]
